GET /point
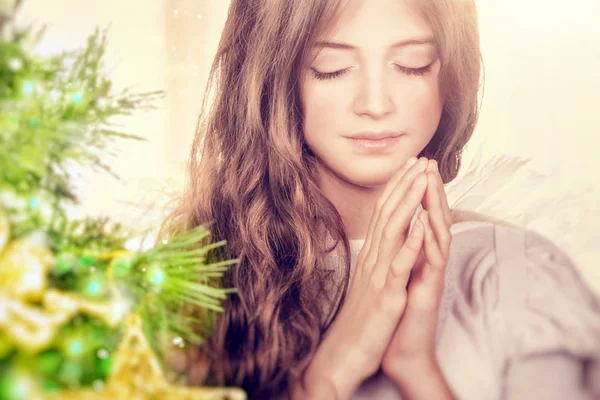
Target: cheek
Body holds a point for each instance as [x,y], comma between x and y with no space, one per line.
[421,106]
[322,108]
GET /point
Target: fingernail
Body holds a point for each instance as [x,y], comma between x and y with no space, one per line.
[417,227]
[415,216]
[435,166]
[410,162]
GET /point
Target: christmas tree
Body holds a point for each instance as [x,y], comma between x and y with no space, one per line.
[84,312]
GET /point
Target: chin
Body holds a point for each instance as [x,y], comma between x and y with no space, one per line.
[374,174]
[370,179]
[366,175]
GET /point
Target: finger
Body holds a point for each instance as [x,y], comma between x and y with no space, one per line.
[417,270]
[383,198]
[431,199]
[390,237]
[398,191]
[403,262]
[442,191]
[439,187]
[433,203]
[396,178]
[391,185]
[393,203]
[437,219]
[444,200]
[435,258]
[415,273]
[426,289]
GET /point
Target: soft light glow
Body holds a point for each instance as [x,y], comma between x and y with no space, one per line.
[21,387]
[94,288]
[34,203]
[77,97]
[28,87]
[55,94]
[141,242]
[157,276]
[15,64]
[75,347]
[102,354]
[98,384]
[102,102]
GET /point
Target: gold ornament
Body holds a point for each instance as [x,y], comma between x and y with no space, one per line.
[136,374]
[24,266]
[31,315]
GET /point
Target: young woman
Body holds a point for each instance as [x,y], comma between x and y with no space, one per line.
[332,127]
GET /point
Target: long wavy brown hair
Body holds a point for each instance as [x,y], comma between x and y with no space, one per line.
[252,179]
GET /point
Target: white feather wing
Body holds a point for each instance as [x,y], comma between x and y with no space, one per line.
[508,188]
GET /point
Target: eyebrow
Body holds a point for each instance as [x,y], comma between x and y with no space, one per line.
[404,43]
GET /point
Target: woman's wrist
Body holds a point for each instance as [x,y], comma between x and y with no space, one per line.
[419,378]
[334,373]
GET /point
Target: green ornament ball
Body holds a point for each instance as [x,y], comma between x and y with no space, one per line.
[122,267]
[87,261]
[48,362]
[64,263]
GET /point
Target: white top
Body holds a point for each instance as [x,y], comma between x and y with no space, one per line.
[516,320]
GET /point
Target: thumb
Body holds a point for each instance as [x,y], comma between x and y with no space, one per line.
[425,289]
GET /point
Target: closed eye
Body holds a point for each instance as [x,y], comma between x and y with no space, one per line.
[414,71]
[328,75]
[406,71]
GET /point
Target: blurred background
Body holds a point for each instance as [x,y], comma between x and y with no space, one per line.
[542,82]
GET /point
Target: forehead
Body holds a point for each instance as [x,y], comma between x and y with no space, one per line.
[375,23]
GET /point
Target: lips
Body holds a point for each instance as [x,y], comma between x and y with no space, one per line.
[375,144]
[374,135]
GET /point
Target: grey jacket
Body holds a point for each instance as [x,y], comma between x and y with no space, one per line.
[516,321]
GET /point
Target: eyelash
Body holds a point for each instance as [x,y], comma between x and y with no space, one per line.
[407,71]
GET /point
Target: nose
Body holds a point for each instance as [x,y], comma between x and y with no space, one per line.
[373,98]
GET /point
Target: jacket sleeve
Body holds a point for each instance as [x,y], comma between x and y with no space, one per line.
[524,324]
[555,347]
